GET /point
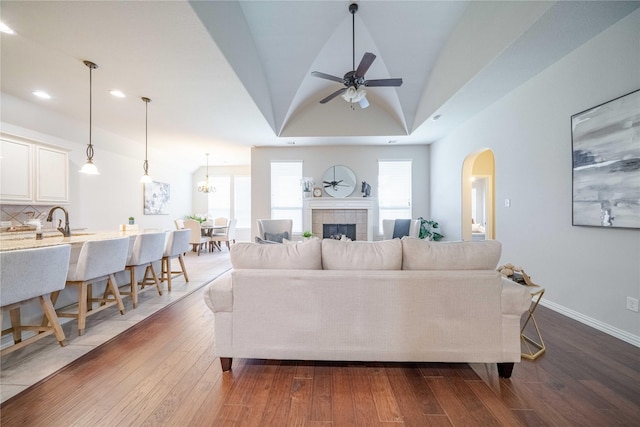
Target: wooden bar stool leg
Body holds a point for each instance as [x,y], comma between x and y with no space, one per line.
[14,314]
[113,286]
[168,272]
[50,313]
[82,307]
[134,287]
[184,270]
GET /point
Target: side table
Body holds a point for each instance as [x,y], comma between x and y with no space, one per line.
[535,346]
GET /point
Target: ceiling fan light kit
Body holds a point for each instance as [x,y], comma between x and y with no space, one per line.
[354,80]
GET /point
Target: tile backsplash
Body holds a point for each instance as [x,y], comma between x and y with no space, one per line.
[16,215]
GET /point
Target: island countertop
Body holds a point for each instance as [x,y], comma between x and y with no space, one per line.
[28,240]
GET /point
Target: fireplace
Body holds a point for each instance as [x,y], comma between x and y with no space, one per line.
[335,231]
[349,210]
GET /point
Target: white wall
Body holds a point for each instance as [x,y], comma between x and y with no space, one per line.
[588,272]
[363,160]
[100,202]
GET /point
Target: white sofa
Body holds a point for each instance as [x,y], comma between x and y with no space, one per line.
[406,300]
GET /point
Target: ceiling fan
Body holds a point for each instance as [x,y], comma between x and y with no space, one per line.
[354,80]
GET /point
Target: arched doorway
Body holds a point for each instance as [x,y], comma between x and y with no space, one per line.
[478,196]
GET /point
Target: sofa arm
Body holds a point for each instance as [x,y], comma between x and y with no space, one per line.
[515,298]
[219,294]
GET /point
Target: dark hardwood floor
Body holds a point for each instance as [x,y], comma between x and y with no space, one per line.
[164,371]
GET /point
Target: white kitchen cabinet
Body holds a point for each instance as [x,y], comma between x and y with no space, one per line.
[16,171]
[52,175]
[32,173]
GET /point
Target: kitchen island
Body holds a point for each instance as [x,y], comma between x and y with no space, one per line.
[10,241]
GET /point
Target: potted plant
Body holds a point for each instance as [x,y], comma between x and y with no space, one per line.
[307,234]
[427,230]
[132,220]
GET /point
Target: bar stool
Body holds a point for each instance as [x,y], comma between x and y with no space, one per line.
[147,249]
[98,260]
[27,274]
[177,244]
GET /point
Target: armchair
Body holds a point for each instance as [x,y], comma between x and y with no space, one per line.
[275,227]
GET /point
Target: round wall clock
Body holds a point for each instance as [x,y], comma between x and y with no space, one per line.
[339,181]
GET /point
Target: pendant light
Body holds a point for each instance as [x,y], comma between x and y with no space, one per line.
[89,168]
[146,179]
[205,186]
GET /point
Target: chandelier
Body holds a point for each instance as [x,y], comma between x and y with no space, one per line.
[205,186]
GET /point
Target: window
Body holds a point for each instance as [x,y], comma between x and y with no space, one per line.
[242,197]
[232,199]
[394,190]
[220,200]
[286,195]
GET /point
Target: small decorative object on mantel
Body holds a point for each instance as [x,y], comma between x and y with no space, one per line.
[515,273]
[307,185]
[427,228]
[132,220]
[317,192]
[366,189]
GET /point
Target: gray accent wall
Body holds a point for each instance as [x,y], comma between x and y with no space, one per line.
[587,272]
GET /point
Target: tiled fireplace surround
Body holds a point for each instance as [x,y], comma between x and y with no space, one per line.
[350,210]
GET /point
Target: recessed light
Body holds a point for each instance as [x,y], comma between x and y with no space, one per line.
[4,28]
[117,93]
[41,94]
[436,117]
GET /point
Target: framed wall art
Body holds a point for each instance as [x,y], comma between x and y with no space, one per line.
[157,198]
[606,164]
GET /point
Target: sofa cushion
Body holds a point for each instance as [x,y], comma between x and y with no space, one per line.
[339,255]
[418,254]
[303,256]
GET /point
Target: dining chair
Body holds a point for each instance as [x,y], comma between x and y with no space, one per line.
[176,245]
[148,249]
[275,229]
[218,232]
[179,224]
[197,240]
[228,236]
[398,228]
[220,221]
[29,274]
[98,261]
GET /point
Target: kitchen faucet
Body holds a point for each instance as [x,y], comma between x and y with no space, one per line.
[66,231]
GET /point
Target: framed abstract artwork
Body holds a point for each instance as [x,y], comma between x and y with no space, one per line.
[157,198]
[606,164]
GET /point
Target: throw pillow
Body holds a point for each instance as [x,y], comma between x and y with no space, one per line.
[276,237]
[401,228]
[265,242]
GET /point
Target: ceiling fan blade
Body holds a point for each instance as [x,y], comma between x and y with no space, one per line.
[327,76]
[333,95]
[365,63]
[383,82]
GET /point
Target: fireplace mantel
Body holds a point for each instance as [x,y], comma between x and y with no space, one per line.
[364,203]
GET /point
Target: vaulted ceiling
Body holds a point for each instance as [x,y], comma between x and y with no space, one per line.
[227,75]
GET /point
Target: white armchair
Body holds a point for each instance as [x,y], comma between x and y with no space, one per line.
[275,226]
[390,231]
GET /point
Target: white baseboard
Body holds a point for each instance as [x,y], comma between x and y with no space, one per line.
[596,324]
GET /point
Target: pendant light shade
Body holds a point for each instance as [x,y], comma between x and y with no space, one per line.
[89,168]
[146,179]
[205,186]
